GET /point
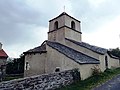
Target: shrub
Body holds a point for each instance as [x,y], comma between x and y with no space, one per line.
[96,70]
[76,75]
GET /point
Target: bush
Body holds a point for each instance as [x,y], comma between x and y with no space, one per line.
[96,70]
[76,75]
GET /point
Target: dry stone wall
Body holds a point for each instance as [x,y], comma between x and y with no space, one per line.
[42,82]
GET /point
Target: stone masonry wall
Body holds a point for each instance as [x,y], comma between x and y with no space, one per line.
[42,82]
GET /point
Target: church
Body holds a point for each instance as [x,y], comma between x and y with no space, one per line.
[65,50]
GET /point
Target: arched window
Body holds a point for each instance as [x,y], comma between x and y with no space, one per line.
[56,25]
[73,25]
[106,62]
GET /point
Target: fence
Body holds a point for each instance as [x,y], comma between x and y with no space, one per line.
[42,82]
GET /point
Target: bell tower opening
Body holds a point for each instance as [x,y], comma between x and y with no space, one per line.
[73,25]
[56,25]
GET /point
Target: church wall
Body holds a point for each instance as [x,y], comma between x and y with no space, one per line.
[71,34]
[102,63]
[36,64]
[57,36]
[56,59]
[112,62]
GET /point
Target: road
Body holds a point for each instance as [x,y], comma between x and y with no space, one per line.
[113,84]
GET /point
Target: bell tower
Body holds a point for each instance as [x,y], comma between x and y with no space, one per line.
[64,26]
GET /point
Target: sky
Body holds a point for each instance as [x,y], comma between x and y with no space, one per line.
[24,23]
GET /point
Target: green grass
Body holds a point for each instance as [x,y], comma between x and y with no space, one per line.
[7,78]
[93,81]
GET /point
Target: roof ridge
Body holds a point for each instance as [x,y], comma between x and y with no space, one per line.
[94,48]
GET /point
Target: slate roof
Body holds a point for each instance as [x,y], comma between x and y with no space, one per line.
[39,49]
[73,54]
[90,47]
[3,54]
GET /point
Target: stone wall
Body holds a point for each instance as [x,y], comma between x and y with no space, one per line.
[42,82]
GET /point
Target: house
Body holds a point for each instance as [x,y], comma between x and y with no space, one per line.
[65,50]
[3,59]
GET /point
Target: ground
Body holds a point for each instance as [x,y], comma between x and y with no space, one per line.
[113,84]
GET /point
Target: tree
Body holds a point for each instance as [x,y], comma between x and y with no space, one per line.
[115,52]
[16,66]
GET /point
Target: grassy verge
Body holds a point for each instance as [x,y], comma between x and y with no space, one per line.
[7,78]
[93,81]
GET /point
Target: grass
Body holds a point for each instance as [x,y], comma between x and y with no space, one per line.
[7,78]
[93,81]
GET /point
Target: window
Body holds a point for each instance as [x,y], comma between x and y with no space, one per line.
[73,25]
[56,25]
[57,69]
[106,62]
[27,67]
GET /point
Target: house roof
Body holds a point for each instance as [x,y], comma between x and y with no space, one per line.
[73,54]
[90,47]
[39,49]
[3,54]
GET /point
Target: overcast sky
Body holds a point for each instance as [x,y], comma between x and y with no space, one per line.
[24,23]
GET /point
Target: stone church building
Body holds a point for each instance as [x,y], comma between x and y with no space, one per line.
[65,50]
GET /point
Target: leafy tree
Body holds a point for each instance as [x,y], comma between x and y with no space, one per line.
[16,66]
[115,52]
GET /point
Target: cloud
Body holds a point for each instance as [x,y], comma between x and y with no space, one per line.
[24,23]
[108,36]
[93,17]
[16,19]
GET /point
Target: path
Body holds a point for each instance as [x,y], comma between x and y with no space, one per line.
[113,84]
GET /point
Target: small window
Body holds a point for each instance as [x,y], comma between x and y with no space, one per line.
[56,25]
[27,67]
[57,69]
[73,25]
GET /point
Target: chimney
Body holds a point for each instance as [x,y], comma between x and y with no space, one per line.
[0,45]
